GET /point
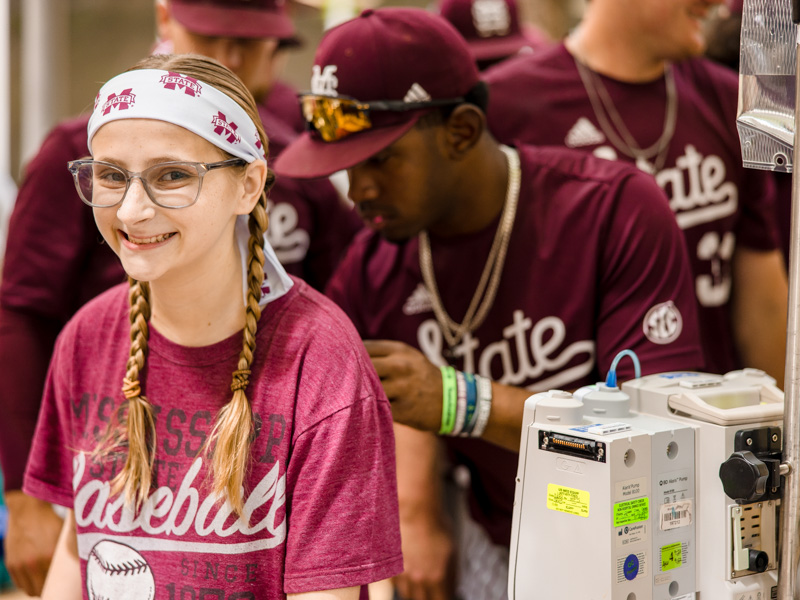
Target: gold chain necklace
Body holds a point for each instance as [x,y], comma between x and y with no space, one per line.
[603,105]
[483,298]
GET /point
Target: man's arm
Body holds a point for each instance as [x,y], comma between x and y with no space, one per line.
[759,305]
[427,543]
[350,593]
[413,384]
[64,579]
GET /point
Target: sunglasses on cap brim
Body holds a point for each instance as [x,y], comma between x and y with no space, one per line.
[336,117]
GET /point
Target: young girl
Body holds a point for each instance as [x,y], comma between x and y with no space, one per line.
[215,429]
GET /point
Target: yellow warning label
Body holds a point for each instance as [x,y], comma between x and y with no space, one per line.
[631,511]
[671,556]
[567,500]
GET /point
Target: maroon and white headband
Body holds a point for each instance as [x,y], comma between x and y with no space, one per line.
[181,100]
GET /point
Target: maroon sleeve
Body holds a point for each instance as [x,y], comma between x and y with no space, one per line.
[26,342]
[647,301]
[758,227]
[54,263]
[49,472]
[341,482]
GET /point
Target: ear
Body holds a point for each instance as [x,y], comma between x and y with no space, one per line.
[163,20]
[252,185]
[463,130]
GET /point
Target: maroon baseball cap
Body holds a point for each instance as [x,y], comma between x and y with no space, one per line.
[491,27]
[390,54]
[235,18]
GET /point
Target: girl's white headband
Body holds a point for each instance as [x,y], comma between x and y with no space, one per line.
[181,100]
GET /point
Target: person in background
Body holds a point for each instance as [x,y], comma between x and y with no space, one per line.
[488,272]
[630,84]
[55,260]
[492,29]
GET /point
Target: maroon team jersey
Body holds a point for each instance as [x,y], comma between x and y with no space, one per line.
[541,100]
[595,265]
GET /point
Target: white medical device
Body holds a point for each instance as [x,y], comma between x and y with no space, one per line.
[666,489]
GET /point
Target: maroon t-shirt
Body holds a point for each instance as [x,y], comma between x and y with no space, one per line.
[595,265]
[56,261]
[320,492]
[541,100]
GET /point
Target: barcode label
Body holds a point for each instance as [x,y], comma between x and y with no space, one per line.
[676,514]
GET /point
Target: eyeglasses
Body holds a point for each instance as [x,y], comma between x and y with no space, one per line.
[169,184]
[336,117]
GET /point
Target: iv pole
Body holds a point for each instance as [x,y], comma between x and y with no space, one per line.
[790,509]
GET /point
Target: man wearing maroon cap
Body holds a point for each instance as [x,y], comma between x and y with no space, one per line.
[492,29]
[525,269]
[53,243]
[628,85]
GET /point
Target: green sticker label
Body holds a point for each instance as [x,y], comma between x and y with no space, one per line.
[567,500]
[671,557]
[631,511]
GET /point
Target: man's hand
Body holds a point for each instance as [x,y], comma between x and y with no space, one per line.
[33,530]
[412,383]
[427,560]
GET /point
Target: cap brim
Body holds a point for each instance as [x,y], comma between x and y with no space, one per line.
[214,20]
[308,157]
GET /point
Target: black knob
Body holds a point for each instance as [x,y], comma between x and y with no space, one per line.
[744,477]
[758,561]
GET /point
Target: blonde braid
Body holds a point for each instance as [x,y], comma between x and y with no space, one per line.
[138,426]
[231,436]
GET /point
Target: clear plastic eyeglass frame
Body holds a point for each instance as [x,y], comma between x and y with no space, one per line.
[83,174]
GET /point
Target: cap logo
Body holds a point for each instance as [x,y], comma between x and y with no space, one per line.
[223,128]
[324,81]
[416,93]
[491,17]
[189,85]
[120,101]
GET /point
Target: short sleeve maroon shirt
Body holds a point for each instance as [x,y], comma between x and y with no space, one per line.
[540,99]
[319,496]
[595,265]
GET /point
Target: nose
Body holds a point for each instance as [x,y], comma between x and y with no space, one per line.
[363,186]
[136,206]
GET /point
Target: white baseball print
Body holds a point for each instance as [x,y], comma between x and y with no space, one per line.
[115,571]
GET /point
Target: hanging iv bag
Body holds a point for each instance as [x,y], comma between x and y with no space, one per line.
[765,114]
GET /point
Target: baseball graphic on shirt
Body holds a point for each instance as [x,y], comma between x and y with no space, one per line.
[115,571]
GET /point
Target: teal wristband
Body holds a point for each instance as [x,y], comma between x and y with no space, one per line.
[449,400]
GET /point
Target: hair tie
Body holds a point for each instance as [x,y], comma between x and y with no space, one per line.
[240,379]
[131,388]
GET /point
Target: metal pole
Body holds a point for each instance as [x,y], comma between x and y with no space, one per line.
[8,190]
[789,542]
[44,70]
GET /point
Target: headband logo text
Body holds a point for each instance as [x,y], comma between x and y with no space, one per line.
[189,85]
[121,101]
[223,128]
